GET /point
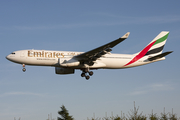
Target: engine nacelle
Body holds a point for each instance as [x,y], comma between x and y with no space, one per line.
[64,70]
[65,62]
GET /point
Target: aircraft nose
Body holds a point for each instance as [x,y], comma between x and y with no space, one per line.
[7,57]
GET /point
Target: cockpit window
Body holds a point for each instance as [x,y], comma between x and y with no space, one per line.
[13,53]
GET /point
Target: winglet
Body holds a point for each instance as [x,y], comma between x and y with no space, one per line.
[126,35]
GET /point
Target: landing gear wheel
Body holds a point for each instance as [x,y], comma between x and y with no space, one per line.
[87,77]
[91,73]
[24,69]
[86,73]
[83,75]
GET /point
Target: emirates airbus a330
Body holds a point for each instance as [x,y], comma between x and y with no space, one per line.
[65,62]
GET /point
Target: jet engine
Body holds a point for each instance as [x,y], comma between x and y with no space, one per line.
[64,70]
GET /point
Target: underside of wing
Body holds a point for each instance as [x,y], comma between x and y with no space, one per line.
[92,55]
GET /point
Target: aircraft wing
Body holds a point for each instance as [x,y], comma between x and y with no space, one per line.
[96,53]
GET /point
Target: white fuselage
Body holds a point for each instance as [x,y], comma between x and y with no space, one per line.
[54,58]
[65,62]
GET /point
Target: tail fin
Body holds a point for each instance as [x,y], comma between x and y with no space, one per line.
[156,46]
[159,42]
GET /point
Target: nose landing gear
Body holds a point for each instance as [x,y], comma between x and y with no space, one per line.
[24,69]
[85,72]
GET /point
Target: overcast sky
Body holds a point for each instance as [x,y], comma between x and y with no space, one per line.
[81,26]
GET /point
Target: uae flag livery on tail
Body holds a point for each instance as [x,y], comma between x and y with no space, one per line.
[154,48]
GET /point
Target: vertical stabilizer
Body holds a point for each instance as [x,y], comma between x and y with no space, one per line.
[159,42]
[156,46]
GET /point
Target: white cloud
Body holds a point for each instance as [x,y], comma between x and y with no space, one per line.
[153,88]
[161,87]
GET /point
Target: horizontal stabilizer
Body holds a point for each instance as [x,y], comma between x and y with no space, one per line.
[159,56]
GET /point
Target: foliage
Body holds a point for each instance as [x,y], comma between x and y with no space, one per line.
[118,118]
[153,116]
[132,115]
[172,116]
[164,116]
[64,114]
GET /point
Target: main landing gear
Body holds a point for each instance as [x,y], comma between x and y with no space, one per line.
[24,69]
[85,72]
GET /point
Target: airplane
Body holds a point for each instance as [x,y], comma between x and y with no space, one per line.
[65,62]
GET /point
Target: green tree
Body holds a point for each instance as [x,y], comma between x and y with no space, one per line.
[64,114]
[164,116]
[153,116]
[172,116]
[117,118]
[134,114]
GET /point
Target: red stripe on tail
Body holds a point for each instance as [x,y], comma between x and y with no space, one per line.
[141,54]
